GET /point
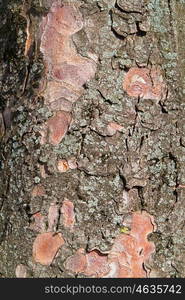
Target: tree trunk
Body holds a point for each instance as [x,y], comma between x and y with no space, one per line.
[92,151]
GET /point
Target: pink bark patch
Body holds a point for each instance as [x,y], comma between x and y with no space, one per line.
[142,225]
[92,264]
[21,271]
[56,91]
[66,20]
[68,215]
[38,222]
[66,69]
[127,257]
[113,127]
[77,263]
[74,72]
[62,166]
[58,126]
[55,47]
[72,163]
[53,216]
[43,171]
[38,190]
[145,83]
[96,264]
[131,251]
[46,246]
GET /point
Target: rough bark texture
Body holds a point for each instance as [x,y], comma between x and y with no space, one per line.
[124,150]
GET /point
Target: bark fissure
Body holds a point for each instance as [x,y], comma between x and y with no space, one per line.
[109,145]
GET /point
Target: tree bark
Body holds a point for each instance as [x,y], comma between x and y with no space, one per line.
[92,134]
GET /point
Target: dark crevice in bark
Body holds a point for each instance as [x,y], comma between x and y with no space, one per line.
[123,179]
[163,109]
[171,17]
[139,31]
[141,197]
[120,37]
[175,160]
[153,197]
[106,100]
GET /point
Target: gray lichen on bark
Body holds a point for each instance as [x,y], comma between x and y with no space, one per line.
[146,157]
